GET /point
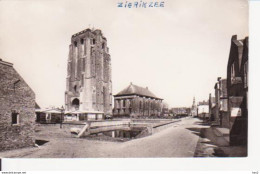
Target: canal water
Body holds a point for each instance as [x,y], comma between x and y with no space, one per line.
[120,133]
[124,133]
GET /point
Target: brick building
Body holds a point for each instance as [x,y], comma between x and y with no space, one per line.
[136,101]
[89,85]
[237,90]
[17,109]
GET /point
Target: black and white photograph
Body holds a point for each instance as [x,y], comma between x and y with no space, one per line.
[124,79]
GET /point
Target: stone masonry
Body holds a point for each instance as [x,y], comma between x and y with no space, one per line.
[89,85]
[17,109]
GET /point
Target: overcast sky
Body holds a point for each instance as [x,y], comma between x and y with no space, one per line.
[177,51]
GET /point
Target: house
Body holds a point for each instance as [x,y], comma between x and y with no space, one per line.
[17,109]
[136,101]
[237,90]
[49,115]
[203,110]
[212,107]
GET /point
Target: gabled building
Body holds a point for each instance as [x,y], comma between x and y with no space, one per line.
[17,109]
[237,89]
[136,101]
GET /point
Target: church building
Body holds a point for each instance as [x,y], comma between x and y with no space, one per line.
[89,86]
[136,101]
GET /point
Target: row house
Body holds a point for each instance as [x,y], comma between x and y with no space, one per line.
[136,101]
[237,91]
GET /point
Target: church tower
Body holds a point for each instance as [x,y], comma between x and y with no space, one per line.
[194,108]
[89,85]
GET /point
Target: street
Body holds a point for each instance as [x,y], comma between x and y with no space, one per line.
[178,140]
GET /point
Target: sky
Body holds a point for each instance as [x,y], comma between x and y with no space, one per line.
[177,51]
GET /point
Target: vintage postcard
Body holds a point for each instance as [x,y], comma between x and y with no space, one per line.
[124,79]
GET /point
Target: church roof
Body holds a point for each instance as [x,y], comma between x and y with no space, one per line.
[136,90]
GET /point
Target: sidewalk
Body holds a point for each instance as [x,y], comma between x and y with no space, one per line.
[214,142]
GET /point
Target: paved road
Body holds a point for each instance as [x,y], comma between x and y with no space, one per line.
[175,141]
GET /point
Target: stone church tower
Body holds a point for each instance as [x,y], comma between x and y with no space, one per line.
[89,85]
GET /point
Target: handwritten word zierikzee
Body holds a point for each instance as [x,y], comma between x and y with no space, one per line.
[140,4]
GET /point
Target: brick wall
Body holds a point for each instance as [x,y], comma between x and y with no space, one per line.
[15,96]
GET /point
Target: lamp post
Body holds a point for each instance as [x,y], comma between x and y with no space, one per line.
[61,113]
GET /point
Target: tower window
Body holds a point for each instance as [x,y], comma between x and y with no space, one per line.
[75,88]
[82,79]
[93,41]
[82,41]
[103,45]
[75,44]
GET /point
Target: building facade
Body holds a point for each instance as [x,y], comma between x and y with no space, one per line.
[237,90]
[203,110]
[181,111]
[89,84]
[17,109]
[221,117]
[136,101]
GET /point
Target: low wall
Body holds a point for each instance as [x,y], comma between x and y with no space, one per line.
[109,123]
[162,126]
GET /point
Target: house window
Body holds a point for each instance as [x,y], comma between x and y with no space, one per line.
[246,74]
[232,71]
[15,118]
